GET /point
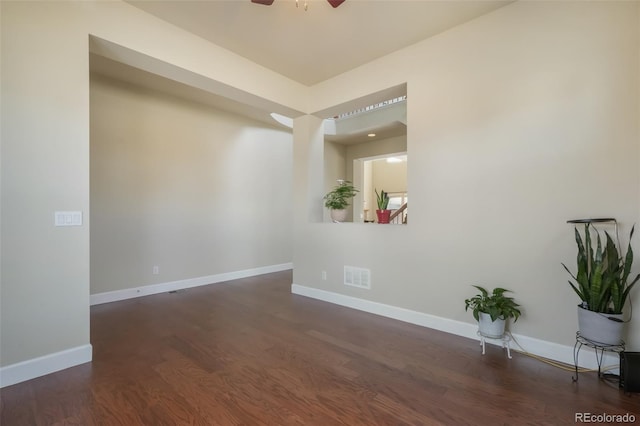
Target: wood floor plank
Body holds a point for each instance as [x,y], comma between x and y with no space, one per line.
[249,352]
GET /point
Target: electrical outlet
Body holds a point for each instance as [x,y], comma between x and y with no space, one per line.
[324,275]
[156,270]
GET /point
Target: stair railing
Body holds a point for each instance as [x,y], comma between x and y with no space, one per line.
[399,216]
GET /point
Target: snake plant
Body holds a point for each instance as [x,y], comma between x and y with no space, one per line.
[382,199]
[602,278]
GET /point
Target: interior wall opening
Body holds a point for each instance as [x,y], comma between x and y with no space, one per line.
[367,145]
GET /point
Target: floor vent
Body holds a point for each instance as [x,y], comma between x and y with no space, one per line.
[357,277]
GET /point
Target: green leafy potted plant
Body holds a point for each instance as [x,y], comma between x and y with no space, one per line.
[382,200]
[492,310]
[603,284]
[337,200]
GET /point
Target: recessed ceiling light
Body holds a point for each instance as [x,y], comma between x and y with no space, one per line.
[372,135]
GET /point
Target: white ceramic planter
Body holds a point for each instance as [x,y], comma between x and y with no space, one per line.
[599,327]
[339,215]
[491,329]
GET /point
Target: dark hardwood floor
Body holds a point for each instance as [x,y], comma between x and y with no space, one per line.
[249,352]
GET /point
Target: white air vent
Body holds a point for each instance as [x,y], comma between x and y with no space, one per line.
[357,277]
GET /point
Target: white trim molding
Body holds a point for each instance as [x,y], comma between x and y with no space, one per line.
[41,366]
[541,348]
[130,293]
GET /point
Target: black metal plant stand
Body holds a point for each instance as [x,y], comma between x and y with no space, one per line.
[600,349]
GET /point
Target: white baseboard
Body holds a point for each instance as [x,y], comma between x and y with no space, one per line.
[30,369]
[130,293]
[542,348]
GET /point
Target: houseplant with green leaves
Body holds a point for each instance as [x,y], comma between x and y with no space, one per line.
[337,200]
[603,283]
[383,213]
[492,309]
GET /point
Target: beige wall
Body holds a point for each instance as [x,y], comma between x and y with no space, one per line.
[389,177]
[170,187]
[375,148]
[45,153]
[512,130]
[45,167]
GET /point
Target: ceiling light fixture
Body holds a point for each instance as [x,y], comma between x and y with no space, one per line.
[397,159]
[372,135]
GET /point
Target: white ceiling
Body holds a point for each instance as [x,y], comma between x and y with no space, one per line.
[319,43]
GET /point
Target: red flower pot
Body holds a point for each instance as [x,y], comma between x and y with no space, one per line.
[383,216]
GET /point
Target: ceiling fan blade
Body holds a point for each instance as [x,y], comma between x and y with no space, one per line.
[334,3]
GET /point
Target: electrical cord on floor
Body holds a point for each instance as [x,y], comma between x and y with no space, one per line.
[557,364]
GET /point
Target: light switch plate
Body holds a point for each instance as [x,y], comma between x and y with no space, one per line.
[68,218]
